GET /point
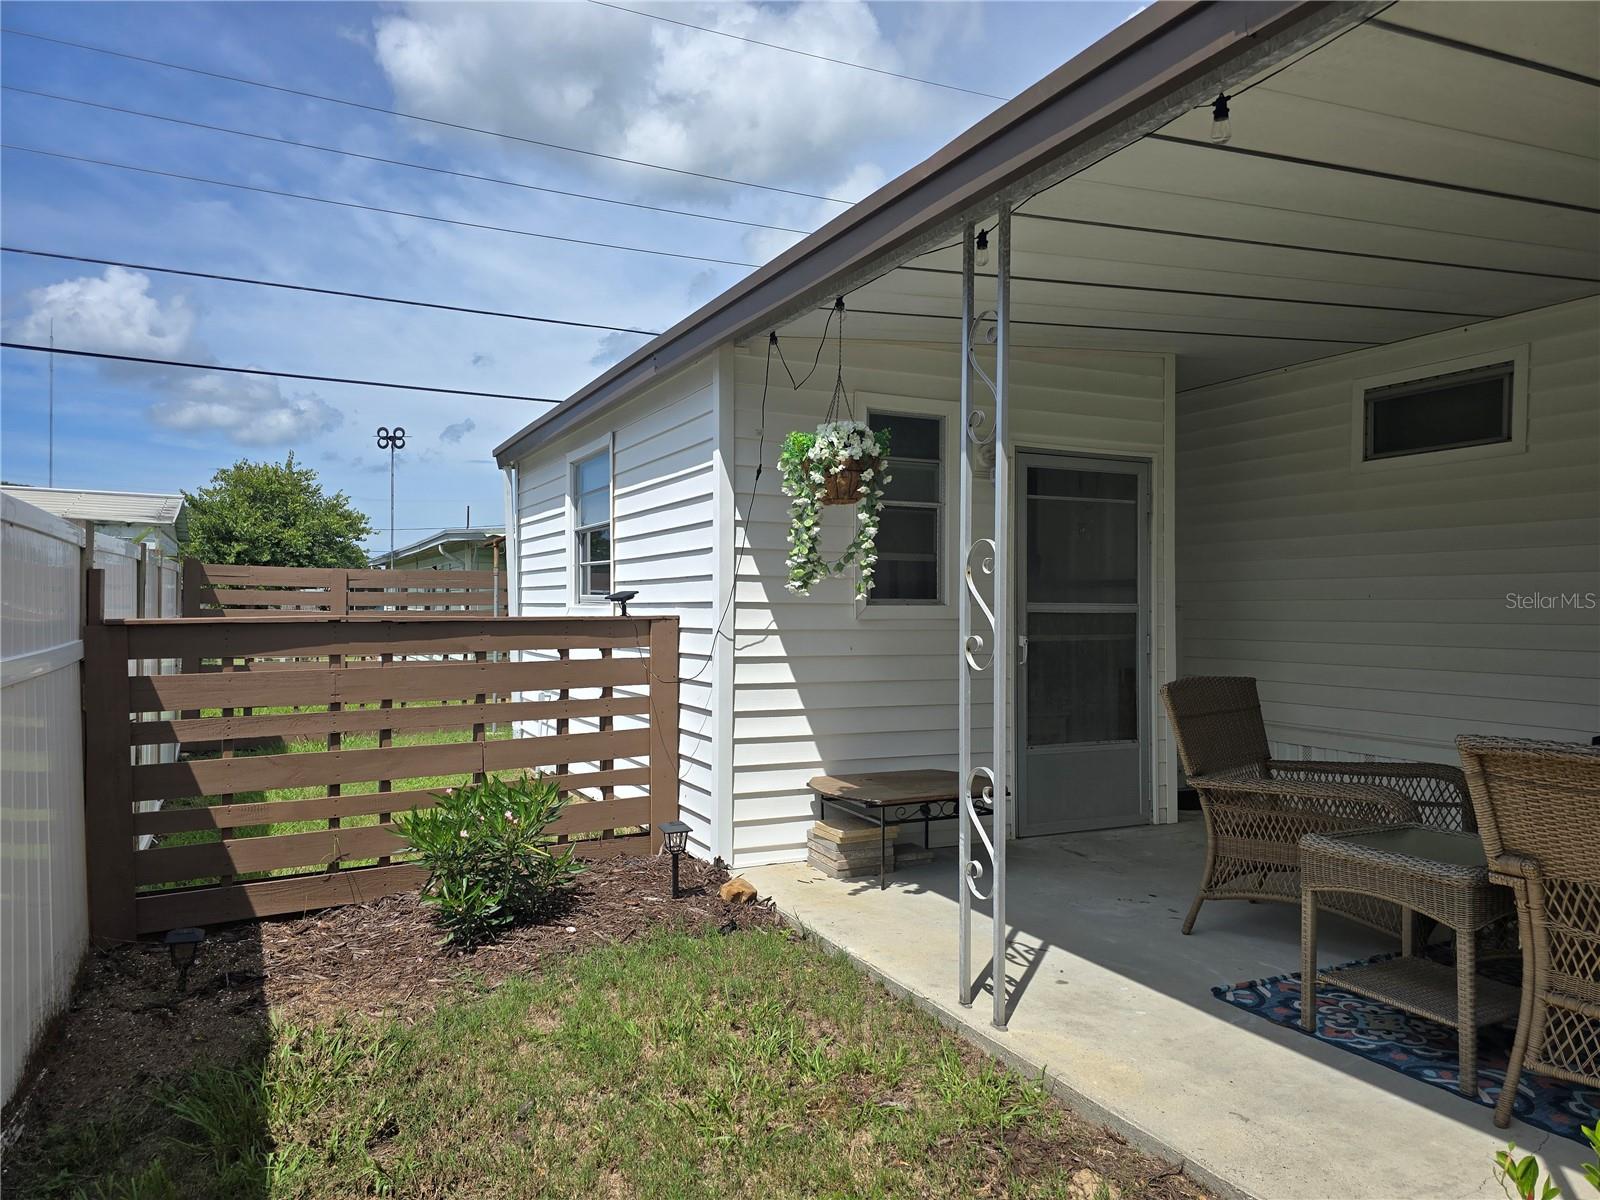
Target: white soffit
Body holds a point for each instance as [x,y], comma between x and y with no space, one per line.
[1239,260]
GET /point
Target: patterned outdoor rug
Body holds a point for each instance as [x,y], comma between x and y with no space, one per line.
[1419,1048]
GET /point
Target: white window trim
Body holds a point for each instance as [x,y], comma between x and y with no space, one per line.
[1517,356]
[576,601]
[950,455]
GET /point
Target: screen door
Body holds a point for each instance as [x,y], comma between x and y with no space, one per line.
[1083,530]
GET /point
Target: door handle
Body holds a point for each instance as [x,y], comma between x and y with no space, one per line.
[1022,649]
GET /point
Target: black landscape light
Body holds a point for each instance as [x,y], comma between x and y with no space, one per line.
[620,599]
[182,947]
[675,836]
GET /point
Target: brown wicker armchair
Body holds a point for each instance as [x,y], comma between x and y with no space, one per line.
[1257,808]
[1538,806]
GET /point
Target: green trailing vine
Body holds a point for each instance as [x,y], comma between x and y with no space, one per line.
[807,462]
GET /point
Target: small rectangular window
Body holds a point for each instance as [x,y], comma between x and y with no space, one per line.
[911,534]
[1444,412]
[591,506]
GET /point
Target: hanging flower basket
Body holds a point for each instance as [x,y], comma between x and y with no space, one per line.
[844,485]
[843,462]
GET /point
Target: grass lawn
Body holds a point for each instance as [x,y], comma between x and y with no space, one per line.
[678,1065]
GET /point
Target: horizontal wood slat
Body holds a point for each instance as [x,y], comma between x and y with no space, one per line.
[267,812]
[360,580]
[318,848]
[156,911]
[593,816]
[365,636]
[271,597]
[210,777]
[418,598]
[245,591]
[398,681]
[580,817]
[210,905]
[244,573]
[368,720]
[237,856]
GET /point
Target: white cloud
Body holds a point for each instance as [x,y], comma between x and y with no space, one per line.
[614,347]
[113,313]
[250,412]
[454,433]
[624,85]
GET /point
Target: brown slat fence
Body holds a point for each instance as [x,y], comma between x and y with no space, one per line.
[331,678]
[225,589]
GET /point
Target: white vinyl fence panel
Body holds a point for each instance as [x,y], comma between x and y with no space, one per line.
[43,902]
[44,923]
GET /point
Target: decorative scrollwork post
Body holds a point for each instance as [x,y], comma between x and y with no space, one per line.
[984,650]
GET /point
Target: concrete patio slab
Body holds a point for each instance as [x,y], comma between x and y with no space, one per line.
[1114,1006]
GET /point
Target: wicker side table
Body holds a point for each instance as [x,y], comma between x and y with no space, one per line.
[1427,871]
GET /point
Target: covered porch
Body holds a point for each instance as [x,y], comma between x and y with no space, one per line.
[1116,1009]
[1183,331]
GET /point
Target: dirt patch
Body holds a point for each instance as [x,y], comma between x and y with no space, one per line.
[129,1028]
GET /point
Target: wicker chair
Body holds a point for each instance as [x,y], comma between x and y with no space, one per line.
[1257,808]
[1538,806]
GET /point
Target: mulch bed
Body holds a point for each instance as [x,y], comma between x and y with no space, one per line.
[129,1027]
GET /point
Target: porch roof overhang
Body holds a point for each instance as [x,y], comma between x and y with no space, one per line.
[1395,169]
[1142,73]
[1425,167]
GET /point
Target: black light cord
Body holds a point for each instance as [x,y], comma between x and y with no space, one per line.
[838,308]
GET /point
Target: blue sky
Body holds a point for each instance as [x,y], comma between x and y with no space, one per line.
[574,73]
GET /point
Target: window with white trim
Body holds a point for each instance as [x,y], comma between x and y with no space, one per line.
[910,567]
[591,507]
[1443,412]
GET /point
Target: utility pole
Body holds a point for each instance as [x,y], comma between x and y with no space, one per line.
[391,440]
[51,453]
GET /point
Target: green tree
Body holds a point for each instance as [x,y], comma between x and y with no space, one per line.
[273,515]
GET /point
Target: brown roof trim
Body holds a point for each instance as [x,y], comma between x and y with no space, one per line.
[1160,51]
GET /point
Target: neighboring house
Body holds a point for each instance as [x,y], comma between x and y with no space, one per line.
[461,549]
[159,519]
[1319,405]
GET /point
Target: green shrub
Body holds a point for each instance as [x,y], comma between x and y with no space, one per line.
[491,864]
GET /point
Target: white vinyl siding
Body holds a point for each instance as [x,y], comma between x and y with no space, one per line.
[1373,606]
[821,684]
[662,514]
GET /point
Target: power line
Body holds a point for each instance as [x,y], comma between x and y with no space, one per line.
[395,112]
[393,212]
[396,162]
[950,87]
[320,291]
[169,362]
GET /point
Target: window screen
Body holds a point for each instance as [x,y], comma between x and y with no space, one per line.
[1447,412]
[910,536]
[591,497]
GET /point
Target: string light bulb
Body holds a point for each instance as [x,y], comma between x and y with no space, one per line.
[980,257]
[1221,130]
